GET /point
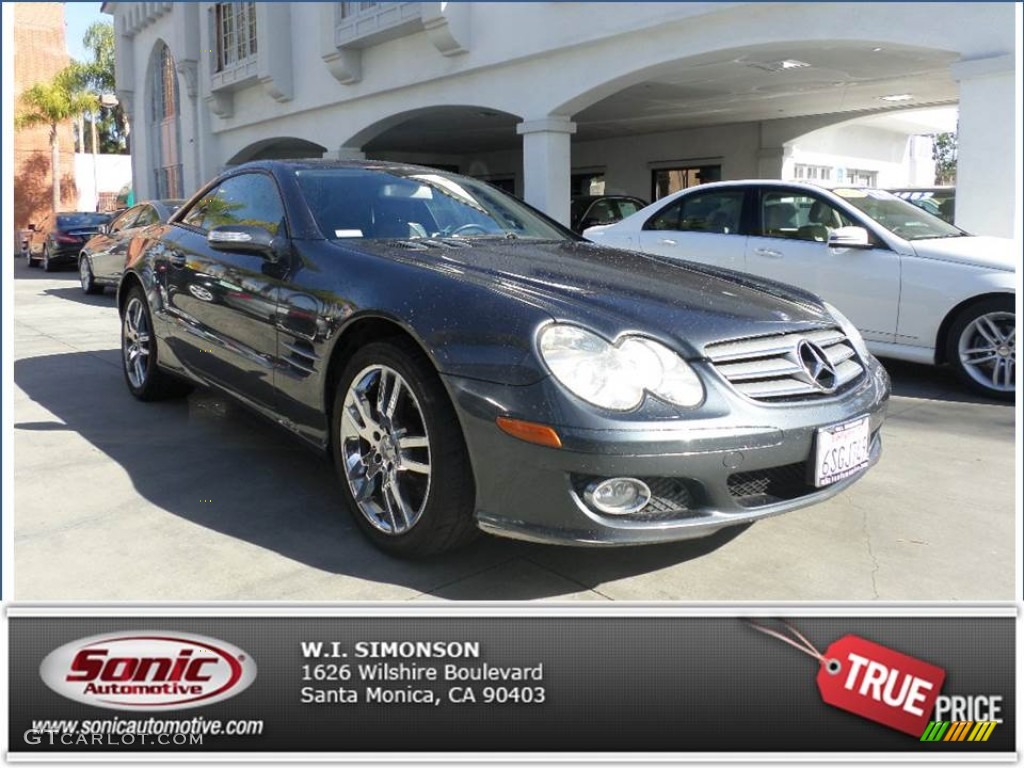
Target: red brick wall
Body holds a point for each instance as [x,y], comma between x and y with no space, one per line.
[39,53]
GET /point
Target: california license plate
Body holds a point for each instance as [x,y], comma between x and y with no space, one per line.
[841,451]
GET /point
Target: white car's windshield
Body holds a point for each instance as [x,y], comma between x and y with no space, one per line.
[896,215]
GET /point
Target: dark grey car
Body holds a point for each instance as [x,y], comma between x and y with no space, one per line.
[102,259]
[468,363]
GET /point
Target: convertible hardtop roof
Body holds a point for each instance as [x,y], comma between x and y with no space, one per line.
[315,163]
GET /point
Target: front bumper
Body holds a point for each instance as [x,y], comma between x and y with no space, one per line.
[730,462]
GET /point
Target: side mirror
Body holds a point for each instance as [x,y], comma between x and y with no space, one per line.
[104,229]
[849,237]
[243,238]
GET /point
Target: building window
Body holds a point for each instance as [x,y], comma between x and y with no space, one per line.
[363,24]
[861,178]
[165,126]
[586,184]
[236,34]
[348,10]
[812,172]
[665,181]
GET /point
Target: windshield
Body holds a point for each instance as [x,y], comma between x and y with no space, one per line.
[360,203]
[898,216]
[71,220]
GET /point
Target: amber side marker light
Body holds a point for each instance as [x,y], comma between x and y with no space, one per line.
[538,434]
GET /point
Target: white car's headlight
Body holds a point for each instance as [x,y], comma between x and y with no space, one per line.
[616,376]
[850,330]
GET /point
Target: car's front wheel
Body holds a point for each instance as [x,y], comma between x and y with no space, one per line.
[138,353]
[983,347]
[400,453]
[85,275]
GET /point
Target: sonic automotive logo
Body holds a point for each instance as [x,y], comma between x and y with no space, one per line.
[157,670]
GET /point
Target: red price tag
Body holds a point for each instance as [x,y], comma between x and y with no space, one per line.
[880,684]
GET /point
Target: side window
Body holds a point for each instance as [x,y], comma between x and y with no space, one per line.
[250,198]
[601,212]
[666,218]
[627,207]
[147,216]
[717,212]
[799,217]
[125,221]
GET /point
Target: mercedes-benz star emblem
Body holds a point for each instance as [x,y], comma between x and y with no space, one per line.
[818,369]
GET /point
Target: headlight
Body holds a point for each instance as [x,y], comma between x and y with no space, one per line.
[850,330]
[616,376]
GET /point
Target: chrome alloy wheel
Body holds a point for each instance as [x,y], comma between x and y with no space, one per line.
[988,350]
[85,274]
[386,449]
[136,338]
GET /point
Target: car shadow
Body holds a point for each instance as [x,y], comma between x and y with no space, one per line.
[929,382]
[22,271]
[217,465]
[79,296]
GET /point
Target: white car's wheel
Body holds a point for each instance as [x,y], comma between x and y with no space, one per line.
[983,347]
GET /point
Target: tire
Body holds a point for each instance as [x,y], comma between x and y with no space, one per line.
[29,260]
[145,380]
[401,459]
[86,277]
[48,265]
[982,347]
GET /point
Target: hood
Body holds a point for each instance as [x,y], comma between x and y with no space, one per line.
[977,251]
[615,292]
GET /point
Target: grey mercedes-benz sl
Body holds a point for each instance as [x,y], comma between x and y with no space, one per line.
[467,363]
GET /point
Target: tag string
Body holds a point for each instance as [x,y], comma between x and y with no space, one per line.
[804,646]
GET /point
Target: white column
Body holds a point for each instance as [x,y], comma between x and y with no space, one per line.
[987,199]
[346,153]
[771,162]
[546,164]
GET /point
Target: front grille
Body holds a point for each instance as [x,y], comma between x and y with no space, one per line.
[767,486]
[769,367]
[671,498]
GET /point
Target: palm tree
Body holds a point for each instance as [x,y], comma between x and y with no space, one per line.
[51,104]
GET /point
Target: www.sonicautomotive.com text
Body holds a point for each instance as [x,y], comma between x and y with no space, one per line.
[123,732]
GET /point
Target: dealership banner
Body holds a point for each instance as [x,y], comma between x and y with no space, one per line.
[390,680]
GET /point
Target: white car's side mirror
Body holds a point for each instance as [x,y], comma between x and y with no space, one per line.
[849,237]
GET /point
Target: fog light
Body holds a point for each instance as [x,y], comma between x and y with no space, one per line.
[618,496]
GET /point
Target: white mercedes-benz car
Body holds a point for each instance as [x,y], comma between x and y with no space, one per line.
[917,288]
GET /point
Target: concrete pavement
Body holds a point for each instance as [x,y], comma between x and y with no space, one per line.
[200,500]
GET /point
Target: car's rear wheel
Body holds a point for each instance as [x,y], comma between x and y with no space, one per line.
[48,266]
[983,347]
[400,453]
[28,258]
[85,275]
[139,353]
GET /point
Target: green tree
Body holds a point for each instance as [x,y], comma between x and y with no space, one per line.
[51,104]
[97,75]
[944,152]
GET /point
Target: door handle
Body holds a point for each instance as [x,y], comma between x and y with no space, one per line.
[666,241]
[768,253]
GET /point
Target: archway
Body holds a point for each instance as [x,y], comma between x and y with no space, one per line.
[278,148]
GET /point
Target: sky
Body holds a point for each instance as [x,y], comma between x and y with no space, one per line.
[79,17]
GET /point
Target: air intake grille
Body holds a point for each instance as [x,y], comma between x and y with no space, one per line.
[771,368]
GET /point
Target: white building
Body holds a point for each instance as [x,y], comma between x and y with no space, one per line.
[544,98]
